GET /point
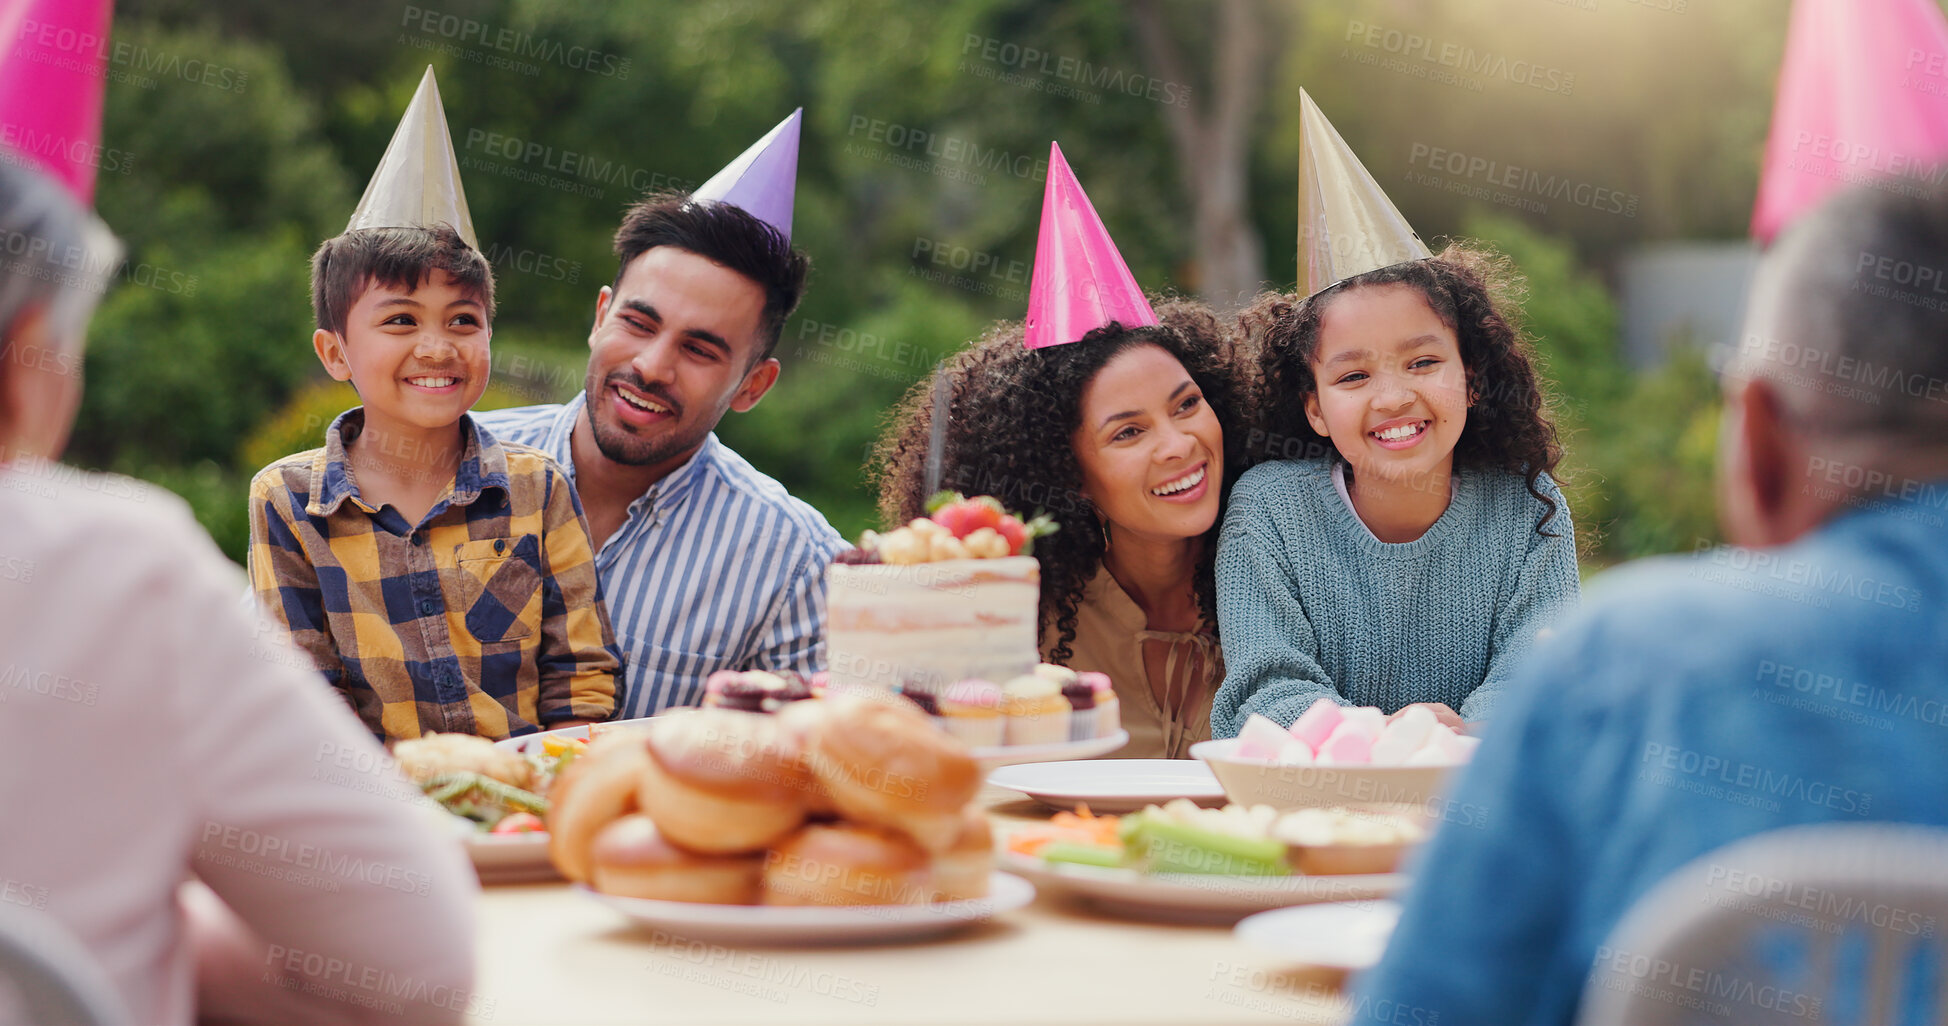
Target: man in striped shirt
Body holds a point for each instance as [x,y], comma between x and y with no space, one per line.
[706,564]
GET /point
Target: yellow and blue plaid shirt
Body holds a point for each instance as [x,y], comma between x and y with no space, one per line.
[484,618]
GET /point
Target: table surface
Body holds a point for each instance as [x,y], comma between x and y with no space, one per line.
[548,954]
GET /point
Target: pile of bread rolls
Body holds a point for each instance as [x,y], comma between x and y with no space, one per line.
[845,800]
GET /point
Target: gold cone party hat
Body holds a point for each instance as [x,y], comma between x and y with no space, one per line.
[417,184]
[1347,225]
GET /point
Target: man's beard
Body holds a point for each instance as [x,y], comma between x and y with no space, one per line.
[619,445]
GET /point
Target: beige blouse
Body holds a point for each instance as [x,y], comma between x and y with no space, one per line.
[1110,637]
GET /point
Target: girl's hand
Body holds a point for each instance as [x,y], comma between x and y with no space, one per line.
[1441,712]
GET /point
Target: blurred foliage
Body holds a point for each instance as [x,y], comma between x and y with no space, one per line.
[1638,447]
[563,112]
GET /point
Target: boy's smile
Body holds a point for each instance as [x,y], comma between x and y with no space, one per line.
[419,358]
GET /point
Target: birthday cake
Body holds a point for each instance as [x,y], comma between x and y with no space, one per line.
[946,598]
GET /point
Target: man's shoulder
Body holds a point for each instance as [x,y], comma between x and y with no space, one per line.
[1677,620]
[1673,598]
[731,474]
[526,425]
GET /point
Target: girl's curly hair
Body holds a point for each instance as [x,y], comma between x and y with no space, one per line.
[1472,291]
[1015,411]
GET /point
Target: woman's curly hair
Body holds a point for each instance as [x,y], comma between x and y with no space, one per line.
[1474,292]
[1015,412]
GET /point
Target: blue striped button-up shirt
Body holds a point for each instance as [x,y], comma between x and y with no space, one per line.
[716,568]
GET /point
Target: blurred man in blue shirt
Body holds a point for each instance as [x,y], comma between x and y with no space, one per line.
[1799,677]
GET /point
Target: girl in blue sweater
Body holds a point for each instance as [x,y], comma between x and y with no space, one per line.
[1410,543]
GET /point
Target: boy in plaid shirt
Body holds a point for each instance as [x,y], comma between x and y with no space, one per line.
[442,580]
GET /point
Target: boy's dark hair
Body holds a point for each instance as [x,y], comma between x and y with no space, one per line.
[722,234]
[1473,292]
[346,265]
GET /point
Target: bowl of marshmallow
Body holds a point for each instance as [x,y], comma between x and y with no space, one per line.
[1335,755]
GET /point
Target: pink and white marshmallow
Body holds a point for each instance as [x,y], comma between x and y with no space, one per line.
[1261,738]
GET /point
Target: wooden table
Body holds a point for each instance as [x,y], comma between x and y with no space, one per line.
[549,955]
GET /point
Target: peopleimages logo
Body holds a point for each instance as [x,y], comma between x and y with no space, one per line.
[1522,181]
[1458,58]
[28,142]
[513,42]
[1030,60]
[1743,779]
[581,172]
[86,53]
[902,139]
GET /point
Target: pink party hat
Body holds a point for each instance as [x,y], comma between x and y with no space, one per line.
[1863,95]
[1080,282]
[51,79]
[763,179]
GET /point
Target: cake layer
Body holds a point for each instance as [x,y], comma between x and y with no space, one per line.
[930,624]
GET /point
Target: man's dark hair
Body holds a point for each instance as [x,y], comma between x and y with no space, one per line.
[722,234]
[346,265]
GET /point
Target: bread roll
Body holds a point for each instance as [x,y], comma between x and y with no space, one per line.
[631,858]
[723,782]
[432,755]
[841,864]
[885,764]
[596,788]
[961,872]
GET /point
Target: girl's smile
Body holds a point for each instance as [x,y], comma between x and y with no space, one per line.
[1392,391]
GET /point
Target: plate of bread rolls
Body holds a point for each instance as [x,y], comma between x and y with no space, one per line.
[837,819]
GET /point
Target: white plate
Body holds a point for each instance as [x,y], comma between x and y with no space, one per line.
[1195,897]
[988,757]
[1112,785]
[996,756]
[1345,935]
[532,742]
[771,924]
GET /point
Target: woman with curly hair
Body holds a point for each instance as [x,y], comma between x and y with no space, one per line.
[1129,439]
[1412,559]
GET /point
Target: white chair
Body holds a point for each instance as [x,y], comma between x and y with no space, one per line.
[47,978]
[1826,923]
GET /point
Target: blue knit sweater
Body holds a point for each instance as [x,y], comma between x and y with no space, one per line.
[1310,604]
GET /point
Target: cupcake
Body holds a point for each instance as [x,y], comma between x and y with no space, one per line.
[926,700]
[714,685]
[753,691]
[1109,711]
[1082,709]
[1060,675]
[971,711]
[1037,713]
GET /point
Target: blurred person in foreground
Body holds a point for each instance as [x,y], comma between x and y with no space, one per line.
[185,795]
[1800,677]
